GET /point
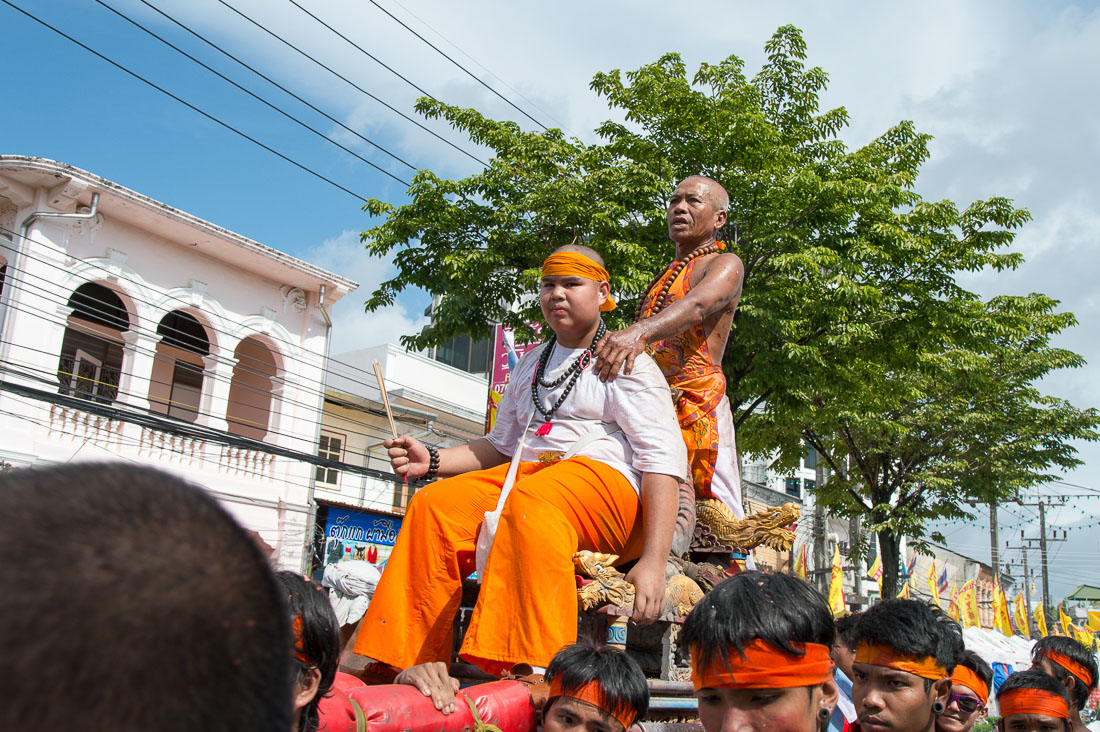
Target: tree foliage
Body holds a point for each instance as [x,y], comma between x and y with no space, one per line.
[852,328]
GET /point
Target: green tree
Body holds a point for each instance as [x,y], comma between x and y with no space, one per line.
[833,240]
[955,417]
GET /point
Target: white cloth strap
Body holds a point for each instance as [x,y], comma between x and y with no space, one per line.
[488,531]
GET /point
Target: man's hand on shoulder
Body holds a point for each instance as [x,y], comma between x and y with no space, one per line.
[434,681]
[617,350]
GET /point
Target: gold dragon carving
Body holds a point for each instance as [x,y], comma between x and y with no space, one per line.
[768,527]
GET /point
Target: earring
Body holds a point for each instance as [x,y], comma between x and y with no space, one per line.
[823,714]
[938,707]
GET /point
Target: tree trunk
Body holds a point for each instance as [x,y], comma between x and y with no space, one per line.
[889,547]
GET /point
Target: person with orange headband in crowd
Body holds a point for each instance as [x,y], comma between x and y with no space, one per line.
[1032,701]
[594,689]
[594,466]
[683,320]
[760,647]
[970,683]
[1075,666]
[905,653]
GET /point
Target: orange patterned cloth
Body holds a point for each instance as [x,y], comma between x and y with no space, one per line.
[686,363]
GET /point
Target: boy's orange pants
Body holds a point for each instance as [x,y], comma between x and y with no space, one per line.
[527,609]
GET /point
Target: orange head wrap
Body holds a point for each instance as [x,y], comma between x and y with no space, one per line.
[593,693]
[574,264]
[761,665]
[1033,701]
[880,654]
[1070,665]
[965,677]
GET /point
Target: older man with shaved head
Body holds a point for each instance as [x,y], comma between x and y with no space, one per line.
[683,321]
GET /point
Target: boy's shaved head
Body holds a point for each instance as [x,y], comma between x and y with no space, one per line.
[581,249]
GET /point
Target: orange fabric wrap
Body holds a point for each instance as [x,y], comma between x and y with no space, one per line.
[965,677]
[593,693]
[1033,701]
[573,264]
[527,607]
[760,665]
[880,654]
[1070,665]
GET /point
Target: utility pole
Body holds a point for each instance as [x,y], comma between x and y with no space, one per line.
[857,565]
[993,537]
[820,574]
[1043,558]
[1026,579]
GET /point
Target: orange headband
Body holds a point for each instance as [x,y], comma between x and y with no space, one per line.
[593,693]
[572,264]
[1033,701]
[965,677]
[880,654]
[761,665]
[1070,665]
[299,649]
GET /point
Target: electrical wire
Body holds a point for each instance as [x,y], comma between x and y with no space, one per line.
[351,83]
[438,50]
[194,108]
[260,99]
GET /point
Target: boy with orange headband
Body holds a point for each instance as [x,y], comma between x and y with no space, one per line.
[905,654]
[970,683]
[760,660]
[1032,701]
[594,466]
[594,689]
[1075,666]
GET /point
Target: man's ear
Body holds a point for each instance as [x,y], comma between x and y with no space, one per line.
[721,219]
[941,690]
[829,693]
[605,291]
[306,688]
[1070,682]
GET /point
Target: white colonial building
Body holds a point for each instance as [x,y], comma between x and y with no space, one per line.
[130,330]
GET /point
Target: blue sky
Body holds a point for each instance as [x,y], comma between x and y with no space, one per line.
[1008,88]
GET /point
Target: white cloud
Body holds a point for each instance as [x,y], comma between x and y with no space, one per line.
[352,327]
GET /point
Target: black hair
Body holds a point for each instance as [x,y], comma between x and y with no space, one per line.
[777,608]
[134,601]
[623,683]
[846,629]
[981,669]
[914,628]
[316,638]
[1033,678]
[1076,652]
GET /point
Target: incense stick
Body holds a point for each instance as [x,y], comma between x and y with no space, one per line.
[385,397]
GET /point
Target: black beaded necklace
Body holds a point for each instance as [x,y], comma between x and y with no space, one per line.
[571,374]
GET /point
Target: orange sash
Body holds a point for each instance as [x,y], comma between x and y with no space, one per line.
[1033,701]
[880,654]
[593,693]
[761,665]
[965,677]
[573,264]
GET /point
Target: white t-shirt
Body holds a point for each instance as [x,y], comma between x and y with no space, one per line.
[648,440]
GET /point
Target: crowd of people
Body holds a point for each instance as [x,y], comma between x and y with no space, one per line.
[133,601]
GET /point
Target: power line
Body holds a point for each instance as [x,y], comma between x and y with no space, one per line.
[187,104]
[438,50]
[260,99]
[351,83]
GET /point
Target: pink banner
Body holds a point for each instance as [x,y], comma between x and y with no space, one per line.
[506,354]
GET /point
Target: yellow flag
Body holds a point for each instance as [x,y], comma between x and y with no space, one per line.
[875,571]
[953,608]
[1001,620]
[1082,635]
[1019,614]
[968,606]
[836,586]
[1041,620]
[1064,621]
[904,594]
[1094,620]
[800,564]
[932,586]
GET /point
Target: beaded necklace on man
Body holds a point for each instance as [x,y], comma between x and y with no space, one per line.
[664,298]
[568,377]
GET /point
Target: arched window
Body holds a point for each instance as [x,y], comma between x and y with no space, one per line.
[249,411]
[175,387]
[91,352]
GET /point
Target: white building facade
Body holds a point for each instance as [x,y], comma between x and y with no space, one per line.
[130,330]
